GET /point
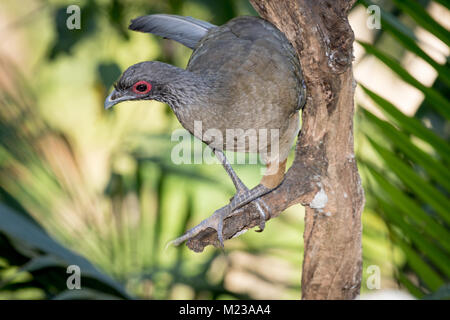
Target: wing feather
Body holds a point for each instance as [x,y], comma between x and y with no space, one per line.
[186,30]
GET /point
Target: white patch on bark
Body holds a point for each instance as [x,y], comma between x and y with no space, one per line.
[320,200]
[351,157]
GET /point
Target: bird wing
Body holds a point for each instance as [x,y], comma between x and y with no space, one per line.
[186,30]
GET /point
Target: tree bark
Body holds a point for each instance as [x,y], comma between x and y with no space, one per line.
[324,176]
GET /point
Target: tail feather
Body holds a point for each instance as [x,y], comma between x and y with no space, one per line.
[186,30]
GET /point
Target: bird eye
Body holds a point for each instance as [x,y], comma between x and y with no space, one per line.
[141,87]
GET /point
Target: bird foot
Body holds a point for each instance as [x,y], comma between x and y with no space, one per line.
[215,221]
[263,210]
[245,196]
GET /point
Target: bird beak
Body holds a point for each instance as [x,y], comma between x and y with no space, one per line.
[114,98]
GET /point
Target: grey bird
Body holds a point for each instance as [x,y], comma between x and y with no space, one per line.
[244,76]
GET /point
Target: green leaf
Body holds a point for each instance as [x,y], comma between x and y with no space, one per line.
[437,101]
[42,262]
[108,72]
[421,16]
[412,288]
[21,230]
[396,29]
[445,3]
[434,168]
[431,279]
[429,249]
[442,70]
[66,39]
[411,125]
[410,209]
[419,186]
[389,18]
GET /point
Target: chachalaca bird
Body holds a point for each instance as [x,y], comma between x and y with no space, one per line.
[243,75]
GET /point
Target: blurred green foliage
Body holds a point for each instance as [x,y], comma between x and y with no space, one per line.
[407,180]
[102,183]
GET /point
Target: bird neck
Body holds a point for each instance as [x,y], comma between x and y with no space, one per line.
[183,89]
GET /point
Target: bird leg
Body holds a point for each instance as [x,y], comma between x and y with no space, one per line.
[243,194]
[242,197]
[274,174]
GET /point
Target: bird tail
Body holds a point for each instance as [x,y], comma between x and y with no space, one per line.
[186,30]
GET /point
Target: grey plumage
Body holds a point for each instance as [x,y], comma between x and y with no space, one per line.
[243,84]
[186,30]
[243,68]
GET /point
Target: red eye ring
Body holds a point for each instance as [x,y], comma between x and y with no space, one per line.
[142,87]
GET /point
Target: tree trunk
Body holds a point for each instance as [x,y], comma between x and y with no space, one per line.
[324,176]
[322,36]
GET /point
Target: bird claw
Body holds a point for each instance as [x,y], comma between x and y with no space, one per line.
[263,213]
[215,221]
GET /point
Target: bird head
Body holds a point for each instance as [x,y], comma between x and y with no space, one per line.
[142,81]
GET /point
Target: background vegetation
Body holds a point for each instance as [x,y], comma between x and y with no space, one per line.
[81,185]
